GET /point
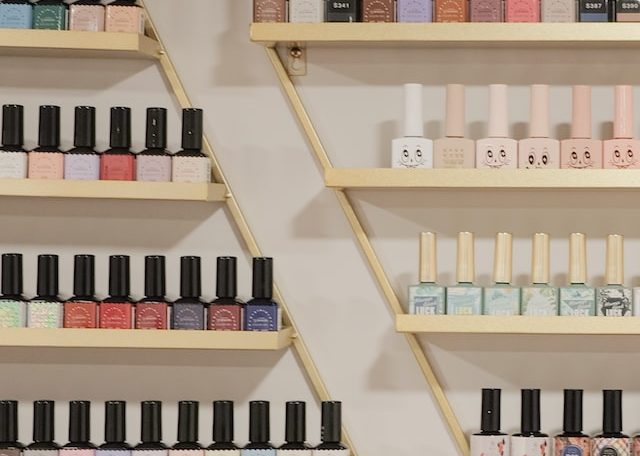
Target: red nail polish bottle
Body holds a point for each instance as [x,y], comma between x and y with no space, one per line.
[119,163]
[153,311]
[116,311]
[225,313]
[81,311]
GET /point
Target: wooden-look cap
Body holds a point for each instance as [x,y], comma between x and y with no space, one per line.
[540,258]
[465,261]
[502,258]
[577,258]
[428,266]
[614,271]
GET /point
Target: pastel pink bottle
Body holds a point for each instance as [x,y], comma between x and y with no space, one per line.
[581,151]
[622,152]
[454,150]
[522,10]
[497,150]
[539,150]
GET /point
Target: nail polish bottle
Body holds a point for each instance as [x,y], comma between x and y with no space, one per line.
[222,431]
[295,431]
[490,441]
[270,11]
[530,440]
[451,11]
[46,311]
[577,299]
[190,164]
[522,10]
[47,160]
[151,430]
[9,445]
[189,311]
[465,298]
[502,298]
[572,440]
[622,151]
[83,162]
[226,312]
[79,430]
[306,11]
[540,298]
[498,150]
[454,150]
[153,311]
[259,430]
[13,306]
[119,163]
[16,14]
[115,430]
[343,10]
[627,11]
[13,157]
[154,163]
[414,10]
[413,150]
[116,311]
[43,430]
[595,10]
[86,16]
[614,299]
[331,431]
[581,151]
[124,16]
[378,11]
[50,15]
[187,444]
[427,298]
[612,441]
[558,10]
[262,313]
[81,311]
[486,10]
[539,150]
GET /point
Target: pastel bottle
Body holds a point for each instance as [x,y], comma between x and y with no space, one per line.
[612,441]
[502,298]
[46,310]
[413,150]
[81,311]
[578,299]
[530,441]
[16,14]
[270,11]
[539,150]
[150,430]
[225,313]
[222,431]
[262,312]
[86,16]
[79,430]
[614,299]
[572,440]
[331,431]
[622,152]
[190,164]
[187,444]
[490,441]
[343,11]
[154,163]
[558,10]
[595,10]
[465,298]
[522,10]
[124,16]
[13,306]
[627,11]
[50,15]
[378,11]
[427,298]
[451,11]
[540,298]
[115,430]
[295,431]
[581,151]
[152,312]
[119,163]
[47,160]
[9,445]
[498,150]
[486,10]
[259,430]
[83,162]
[13,157]
[43,430]
[414,10]
[454,150]
[116,311]
[306,11]
[189,311]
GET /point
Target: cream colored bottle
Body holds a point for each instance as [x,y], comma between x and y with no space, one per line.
[581,151]
[502,298]
[539,150]
[614,299]
[623,151]
[427,297]
[465,298]
[578,299]
[540,298]
[497,150]
[454,150]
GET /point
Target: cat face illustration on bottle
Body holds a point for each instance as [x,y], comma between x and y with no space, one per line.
[496,153]
[538,159]
[411,158]
[412,153]
[496,158]
[580,159]
[621,158]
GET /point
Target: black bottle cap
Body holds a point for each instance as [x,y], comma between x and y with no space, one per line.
[84,275]
[12,274]
[120,127]
[115,421]
[296,422]
[226,277]
[259,421]
[263,277]
[43,421]
[331,431]
[192,129]
[8,421]
[490,421]
[188,421]
[530,413]
[154,276]
[79,421]
[572,422]
[151,429]
[47,275]
[190,283]
[49,132]
[85,127]
[13,125]
[223,421]
[119,284]
[612,411]
[156,128]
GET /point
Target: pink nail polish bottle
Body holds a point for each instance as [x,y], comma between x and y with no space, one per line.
[581,151]
[622,152]
[454,150]
[522,10]
[498,150]
[486,11]
[539,151]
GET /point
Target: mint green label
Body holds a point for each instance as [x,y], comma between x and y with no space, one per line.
[12,314]
[426,299]
[50,17]
[464,301]
[541,301]
[501,301]
[44,314]
[578,301]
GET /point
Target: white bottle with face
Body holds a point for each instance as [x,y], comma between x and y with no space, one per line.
[412,150]
[497,150]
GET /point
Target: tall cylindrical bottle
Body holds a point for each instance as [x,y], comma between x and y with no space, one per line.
[490,441]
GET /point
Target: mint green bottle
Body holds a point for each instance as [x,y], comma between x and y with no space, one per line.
[50,15]
[427,298]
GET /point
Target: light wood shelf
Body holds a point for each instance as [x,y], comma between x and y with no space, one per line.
[145,339]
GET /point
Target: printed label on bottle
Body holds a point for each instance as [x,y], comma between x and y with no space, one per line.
[188,316]
[628,6]
[225,317]
[77,452]
[150,452]
[269,11]
[86,18]
[46,165]
[258,452]
[105,452]
[414,10]
[28,452]
[12,313]
[481,11]
[153,168]
[306,10]
[342,11]
[191,169]
[378,11]
[464,301]
[222,453]
[186,452]
[558,11]
[540,301]
[530,446]
[614,302]
[151,315]
[82,167]
[450,11]
[16,16]
[502,301]
[80,314]
[125,19]
[611,446]
[490,445]
[593,6]
[10,452]
[115,315]
[13,165]
[117,167]
[294,452]
[426,300]
[262,318]
[522,10]
[577,301]
[572,446]
[344,452]
[44,314]
[50,17]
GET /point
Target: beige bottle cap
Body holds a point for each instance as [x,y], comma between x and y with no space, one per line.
[540,258]
[502,258]
[614,271]
[498,119]
[454,126]
[428,266]
[413,119]
[623,120]
[577,258]
[466,264]
[581,121]
[539,127]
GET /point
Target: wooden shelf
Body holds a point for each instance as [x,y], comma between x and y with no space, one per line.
[62,43]
[145,339]
[169,191]
[378,178]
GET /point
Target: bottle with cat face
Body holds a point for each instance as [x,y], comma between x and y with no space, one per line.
[413,150]
[490,441]
[581,151]
[578,299]
[498,150]
[572,441]
[539,150]
[530,441]
[614,299]
[465,298]
[427,298]
[454,150]
[622,152]
[612,442]
[540,298]
[502,298]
